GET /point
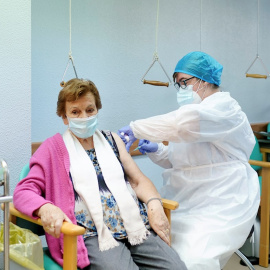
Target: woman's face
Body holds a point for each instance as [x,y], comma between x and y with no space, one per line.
[180,77]
[197,83]
[82,108]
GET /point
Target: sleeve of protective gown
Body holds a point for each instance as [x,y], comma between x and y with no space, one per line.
[213,119]
[160,157]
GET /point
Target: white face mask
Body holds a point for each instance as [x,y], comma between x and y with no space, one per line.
[188,96]
[83,127]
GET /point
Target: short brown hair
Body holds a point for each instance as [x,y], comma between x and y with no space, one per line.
[73,90]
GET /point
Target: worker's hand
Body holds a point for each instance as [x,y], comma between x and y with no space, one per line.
[158,221]
[147,146]
[127,136]
[52,218]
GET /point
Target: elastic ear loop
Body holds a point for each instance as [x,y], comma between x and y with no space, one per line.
[201,89]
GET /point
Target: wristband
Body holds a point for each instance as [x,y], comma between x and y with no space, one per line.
[154,199]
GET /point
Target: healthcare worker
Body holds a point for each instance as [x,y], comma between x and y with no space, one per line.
[206,164]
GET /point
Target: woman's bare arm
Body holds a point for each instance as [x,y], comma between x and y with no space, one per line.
[145,190]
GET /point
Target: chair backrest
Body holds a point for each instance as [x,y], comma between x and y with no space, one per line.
[256,155]
[24,172]
[22,222]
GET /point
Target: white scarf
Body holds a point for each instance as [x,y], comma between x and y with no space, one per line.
[86,185]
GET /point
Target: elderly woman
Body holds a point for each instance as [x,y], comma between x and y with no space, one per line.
[86,177]
[206,164]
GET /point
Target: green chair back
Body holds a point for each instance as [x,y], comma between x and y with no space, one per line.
[256,155]
[25,223]
[24,172]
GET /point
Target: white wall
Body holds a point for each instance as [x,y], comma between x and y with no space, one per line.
[15,86]
[113,44]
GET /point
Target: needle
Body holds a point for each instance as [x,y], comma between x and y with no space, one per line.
[137,148]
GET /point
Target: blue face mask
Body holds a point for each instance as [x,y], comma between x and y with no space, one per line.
[83,127]
[188,96]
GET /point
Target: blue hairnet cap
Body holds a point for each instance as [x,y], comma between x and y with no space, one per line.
[202,66]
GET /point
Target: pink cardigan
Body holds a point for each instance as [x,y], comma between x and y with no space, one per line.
[48,181]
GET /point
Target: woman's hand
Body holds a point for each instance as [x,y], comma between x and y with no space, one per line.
[52,218]
[158,220]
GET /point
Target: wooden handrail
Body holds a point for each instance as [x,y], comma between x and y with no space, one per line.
[257,76]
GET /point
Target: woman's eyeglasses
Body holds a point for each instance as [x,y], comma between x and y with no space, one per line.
[182,84]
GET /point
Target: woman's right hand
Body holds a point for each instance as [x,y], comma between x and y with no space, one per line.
[52,218]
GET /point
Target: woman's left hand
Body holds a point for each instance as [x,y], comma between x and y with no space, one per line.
[158,220]
[52,218]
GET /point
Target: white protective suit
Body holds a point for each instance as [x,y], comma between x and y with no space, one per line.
[207,172]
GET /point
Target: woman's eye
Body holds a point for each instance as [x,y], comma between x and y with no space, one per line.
[74,112]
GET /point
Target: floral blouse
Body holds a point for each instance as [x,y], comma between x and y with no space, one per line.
[111,214]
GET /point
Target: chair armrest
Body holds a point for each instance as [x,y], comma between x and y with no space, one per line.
[67,228]
[264,152]
[264,164]
[169,204]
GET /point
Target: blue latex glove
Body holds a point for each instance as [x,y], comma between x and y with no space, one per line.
[147,146]
[127,136]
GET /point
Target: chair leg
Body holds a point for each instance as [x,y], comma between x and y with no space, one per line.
[244,259]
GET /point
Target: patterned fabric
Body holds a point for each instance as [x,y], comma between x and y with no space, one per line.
[111,214]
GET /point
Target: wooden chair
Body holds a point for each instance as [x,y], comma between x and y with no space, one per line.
[259,164]
[70,232]
[264,211]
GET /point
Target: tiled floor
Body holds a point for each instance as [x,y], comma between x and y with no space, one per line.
[234,264]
